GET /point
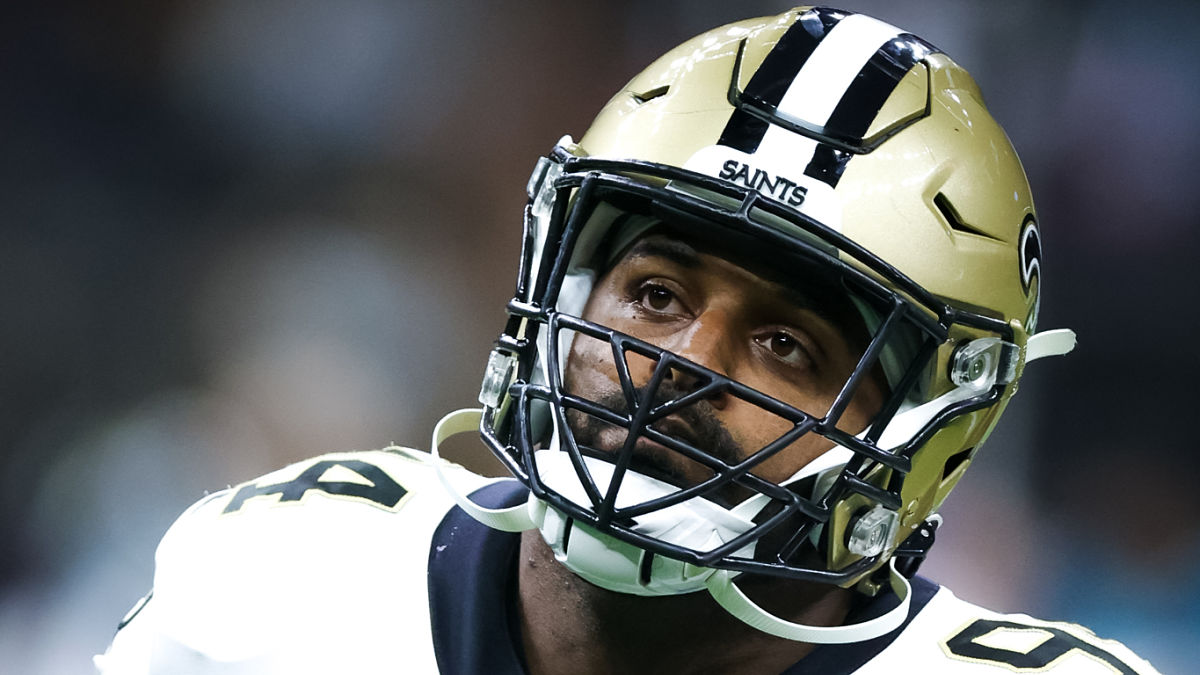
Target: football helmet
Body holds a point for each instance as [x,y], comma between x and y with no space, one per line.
[816,140]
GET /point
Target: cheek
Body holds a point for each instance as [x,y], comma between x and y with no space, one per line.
[759,427]
[867,402]
[589,361]
[794,458]
[753,428]
[812,445]
[590,368]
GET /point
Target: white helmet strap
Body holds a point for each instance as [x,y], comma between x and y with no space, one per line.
[512,519]
[737,603]
[1049,343]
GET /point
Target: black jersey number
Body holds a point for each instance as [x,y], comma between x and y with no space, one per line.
[376,487]
[1060,643]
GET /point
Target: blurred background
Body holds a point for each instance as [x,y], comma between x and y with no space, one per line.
[234,235]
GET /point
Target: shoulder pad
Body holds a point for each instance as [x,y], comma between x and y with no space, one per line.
[321,562]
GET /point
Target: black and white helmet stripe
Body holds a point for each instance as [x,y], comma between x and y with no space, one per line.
[778,71]
[833,71]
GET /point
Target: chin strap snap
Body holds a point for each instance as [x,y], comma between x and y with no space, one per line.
[513,519]
[737,603]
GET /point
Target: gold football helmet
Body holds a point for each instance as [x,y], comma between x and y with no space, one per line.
[816,140]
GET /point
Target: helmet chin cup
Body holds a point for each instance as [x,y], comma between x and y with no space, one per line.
[621,567]
[602,560]
[610,563]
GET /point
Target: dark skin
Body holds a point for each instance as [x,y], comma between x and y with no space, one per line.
[675,295]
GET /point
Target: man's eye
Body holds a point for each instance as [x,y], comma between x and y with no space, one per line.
[657,298]
[785,347]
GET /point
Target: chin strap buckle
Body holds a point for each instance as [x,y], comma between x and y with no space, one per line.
[912,551]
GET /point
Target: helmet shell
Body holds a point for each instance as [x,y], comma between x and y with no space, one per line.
[935,190]
[945,199]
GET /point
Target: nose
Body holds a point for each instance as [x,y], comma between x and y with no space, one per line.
[707,341]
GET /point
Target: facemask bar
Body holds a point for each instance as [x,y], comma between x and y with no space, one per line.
[534,306]
[649,409]
[603,512]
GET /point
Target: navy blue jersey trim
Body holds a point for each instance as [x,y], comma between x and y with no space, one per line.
[472,579]
[770,82]
[848,658]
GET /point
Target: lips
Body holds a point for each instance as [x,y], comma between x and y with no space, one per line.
[695,426]
[679,429]
[649,458]
[654,460]
[654,465]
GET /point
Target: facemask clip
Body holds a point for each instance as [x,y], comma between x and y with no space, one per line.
[981,364]
[873,531]
[496,378]
[540,188]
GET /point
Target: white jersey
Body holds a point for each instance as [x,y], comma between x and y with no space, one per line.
[361,563]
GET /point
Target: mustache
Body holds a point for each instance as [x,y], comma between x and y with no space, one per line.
[696,424]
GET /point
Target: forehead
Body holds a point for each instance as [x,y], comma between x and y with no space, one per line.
[796,281]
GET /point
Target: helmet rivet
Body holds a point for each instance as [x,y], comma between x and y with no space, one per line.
[977,366]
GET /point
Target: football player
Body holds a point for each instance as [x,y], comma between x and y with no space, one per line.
[769,307]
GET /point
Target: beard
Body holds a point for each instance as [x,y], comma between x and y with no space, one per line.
[695,425]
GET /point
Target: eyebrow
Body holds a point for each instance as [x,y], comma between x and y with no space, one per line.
[673,250]
[686,256]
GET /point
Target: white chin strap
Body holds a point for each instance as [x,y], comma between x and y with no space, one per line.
[617,566]
[737,603]
[513,519]
[697,524]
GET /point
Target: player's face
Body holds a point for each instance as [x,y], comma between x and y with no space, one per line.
[777,339]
